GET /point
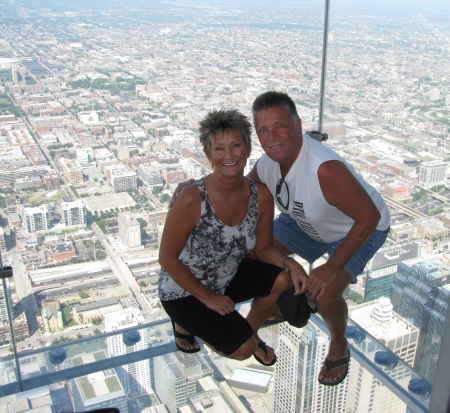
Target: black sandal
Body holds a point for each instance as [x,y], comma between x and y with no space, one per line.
[190,338]
[333,364]
[263,346]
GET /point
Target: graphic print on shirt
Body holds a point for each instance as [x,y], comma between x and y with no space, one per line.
[298,213]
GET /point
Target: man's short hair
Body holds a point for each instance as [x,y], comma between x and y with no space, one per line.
[223,120]
[272,98]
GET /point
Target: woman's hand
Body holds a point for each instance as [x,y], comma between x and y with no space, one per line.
[220,303]
[298,275]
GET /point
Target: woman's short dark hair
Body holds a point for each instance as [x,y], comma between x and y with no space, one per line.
[222,120]
[272,98]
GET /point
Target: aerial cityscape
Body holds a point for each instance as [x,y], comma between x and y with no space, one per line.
[99,109]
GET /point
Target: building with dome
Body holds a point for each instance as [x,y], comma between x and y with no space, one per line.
[399,336]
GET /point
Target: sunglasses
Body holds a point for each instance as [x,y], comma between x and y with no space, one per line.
[278,189]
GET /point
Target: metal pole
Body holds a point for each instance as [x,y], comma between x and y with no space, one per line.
[324,65]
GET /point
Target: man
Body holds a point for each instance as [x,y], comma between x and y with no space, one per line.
[325,208]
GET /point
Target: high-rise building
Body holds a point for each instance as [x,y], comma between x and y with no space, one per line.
[37,218]
[421,294]
[135,377]
[300,355]
[176,377]
[73,213]
[380,271]
[2,240]
[97,390]
[433,173]
[129,230]
[4,318]
[366,393]
[18,74]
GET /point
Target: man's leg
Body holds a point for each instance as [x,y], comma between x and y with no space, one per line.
[334,311]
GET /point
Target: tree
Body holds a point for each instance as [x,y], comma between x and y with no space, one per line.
[100,255]
[157,189]
[142,222]
[355,297]
[164,198]
[83,294]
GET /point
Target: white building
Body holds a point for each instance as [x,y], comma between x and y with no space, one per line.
[122,178]
[366,393]
[149,174]
[192,168]
[300,355]
[433,173]
[176,378]
[129,230]
[89,117]
[98,390]
[85,156]
[73,213]
[36,218]
[135,377]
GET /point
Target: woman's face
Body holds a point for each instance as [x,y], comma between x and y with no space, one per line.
[228,153]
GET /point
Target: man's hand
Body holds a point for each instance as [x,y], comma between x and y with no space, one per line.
[220,303]
[179,188]
[319,280]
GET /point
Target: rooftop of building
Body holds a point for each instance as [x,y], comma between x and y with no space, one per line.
[104,302]
[396,326]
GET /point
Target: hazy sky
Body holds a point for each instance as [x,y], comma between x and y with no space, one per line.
[397,6]
[439,8]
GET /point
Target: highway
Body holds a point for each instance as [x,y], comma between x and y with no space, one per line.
[405,208]
[123,273]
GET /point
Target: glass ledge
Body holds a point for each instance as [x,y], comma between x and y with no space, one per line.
[391,371]
[58,363]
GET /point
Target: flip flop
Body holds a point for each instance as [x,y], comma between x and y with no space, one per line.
[190,338]
[263,346]
[332,364]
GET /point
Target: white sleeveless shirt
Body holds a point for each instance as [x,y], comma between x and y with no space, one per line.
[307,205]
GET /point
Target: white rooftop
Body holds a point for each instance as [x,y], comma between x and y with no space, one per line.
[388,328]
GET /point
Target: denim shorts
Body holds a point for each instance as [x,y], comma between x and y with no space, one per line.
[287,231]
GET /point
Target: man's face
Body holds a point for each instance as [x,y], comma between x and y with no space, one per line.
[280,134]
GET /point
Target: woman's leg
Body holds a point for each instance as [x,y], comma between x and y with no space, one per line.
[229,335]
[263,283]
[184,343]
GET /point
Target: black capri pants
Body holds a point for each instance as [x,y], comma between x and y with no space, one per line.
[226,333]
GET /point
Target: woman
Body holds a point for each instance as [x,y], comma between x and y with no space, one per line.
[215,224]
